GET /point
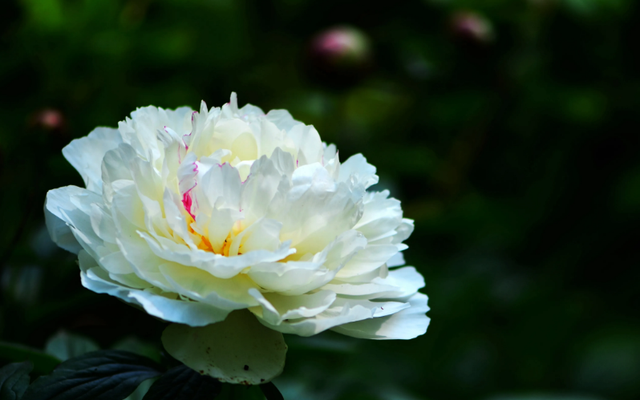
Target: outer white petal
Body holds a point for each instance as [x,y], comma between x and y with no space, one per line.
[276,308]
[358,171]
[381,216]
[72,206]
[342,311]
[370,258]
[59,231]
[396,261]
[282,119]
[400,283]
[86,154]
[406,324]
[238,350]
[307,140]
[166,308]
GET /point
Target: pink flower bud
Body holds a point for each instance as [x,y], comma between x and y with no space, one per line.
[471,28]
[49,119]
[341,46]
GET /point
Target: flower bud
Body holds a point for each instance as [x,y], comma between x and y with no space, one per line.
[340,54]
[471,28]
[49,119]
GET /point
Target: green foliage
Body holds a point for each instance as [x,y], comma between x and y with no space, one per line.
[42,362]
[100,375]
[64,345]
[14,380]
[183,383]
[518,159]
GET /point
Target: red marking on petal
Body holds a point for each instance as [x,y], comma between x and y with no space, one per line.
[187,201]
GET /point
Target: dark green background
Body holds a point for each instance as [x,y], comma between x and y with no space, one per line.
[517,158]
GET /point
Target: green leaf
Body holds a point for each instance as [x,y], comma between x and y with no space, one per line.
[101,375]
[271,392]
[43,363]
[238,350]
[183,383]
[137,346]
[14,380]
[142,390]
[64,345]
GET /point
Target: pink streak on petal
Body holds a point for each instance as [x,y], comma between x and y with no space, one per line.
[187,201]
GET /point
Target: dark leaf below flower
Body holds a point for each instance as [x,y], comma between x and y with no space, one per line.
[183,383]
[99,375]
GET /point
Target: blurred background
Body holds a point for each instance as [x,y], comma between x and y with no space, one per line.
[508,128]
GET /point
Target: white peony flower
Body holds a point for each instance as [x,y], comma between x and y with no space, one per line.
[195,216]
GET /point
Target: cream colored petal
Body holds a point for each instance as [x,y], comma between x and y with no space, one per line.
[358,171]
[381,216]
[399,283]
[226,294]
[72,206]
[275,308]
[282,119]
[299,277]
[367,260]
[86,154]
[342,311]
[307,140]
[217,265]
[406,324]
[167,308]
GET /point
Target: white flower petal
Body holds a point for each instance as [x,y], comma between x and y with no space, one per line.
[238,350]
[86,154]
[59,231]
[399,283]
[307,140]
[358,171]
[226,294]
[215,264]
[72,206]
[367,260]
[381,216]
[166,308]
[276,308]
[342,311]
[406,324]
[297,277]
[282,119]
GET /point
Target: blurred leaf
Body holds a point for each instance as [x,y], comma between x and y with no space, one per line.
[64,345]
[14,380]
[101,375]
[137,346]
[23,284]
[42,363]
[141,390]
[271,392]
[183,383]
[544,397]
[44,14]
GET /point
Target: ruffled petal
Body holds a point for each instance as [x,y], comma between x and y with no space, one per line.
[342,311]
[275,308]
[406,324]
[154,302]
[86,154]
